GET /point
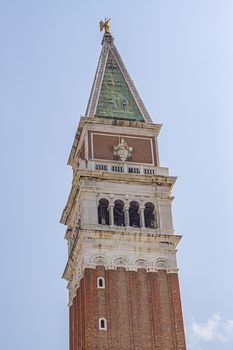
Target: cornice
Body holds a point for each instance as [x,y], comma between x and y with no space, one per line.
[160,180]
[88,237]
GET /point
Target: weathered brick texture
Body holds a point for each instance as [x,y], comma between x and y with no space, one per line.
[102,147]
[142,309]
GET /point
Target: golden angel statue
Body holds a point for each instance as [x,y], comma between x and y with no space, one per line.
[105,25]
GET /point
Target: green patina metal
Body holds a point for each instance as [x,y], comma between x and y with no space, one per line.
[116,100]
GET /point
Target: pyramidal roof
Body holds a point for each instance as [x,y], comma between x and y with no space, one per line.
[113,93]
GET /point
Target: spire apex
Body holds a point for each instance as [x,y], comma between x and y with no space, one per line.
[107,38]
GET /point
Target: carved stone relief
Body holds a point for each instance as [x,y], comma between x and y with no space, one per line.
[122,151]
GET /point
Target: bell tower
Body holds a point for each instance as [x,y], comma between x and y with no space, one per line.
[122,272]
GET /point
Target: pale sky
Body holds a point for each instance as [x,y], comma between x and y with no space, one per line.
[179,54]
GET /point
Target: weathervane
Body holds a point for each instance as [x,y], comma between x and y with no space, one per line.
[105,25]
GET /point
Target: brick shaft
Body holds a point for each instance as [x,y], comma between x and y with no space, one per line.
[142,309]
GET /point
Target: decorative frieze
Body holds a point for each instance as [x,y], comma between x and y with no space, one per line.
[130,263]
[125,249]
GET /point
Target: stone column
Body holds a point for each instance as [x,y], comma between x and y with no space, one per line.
[155,219]
[142,219]
[126,211]
[111,215]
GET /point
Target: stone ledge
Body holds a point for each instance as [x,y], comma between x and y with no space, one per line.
[106,240]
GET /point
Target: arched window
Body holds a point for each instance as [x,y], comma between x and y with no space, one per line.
[103,214]
[102,324]
[118,211]
[134,217]
[100,283]
[149,215]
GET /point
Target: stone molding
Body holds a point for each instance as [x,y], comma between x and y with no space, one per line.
[130,245]
[117,261]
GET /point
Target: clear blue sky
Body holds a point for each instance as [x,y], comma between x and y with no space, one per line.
[180,55]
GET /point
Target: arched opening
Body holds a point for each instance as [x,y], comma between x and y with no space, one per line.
[118,212]
[103,214]
[149,215]
[100,283]
[134,217]
[162,264]
[102,324]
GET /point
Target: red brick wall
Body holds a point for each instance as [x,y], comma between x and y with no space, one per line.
[142,309]
[103,147]
[71,330]
[177,311]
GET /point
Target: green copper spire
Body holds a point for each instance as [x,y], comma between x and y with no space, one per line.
[113,93]
[115,99]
